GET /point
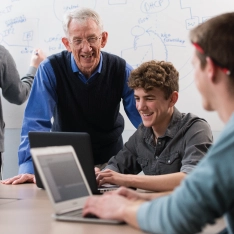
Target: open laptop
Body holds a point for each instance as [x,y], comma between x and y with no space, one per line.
[67,189]
[81,143]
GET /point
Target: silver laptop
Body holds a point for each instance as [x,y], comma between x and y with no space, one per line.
[65,182]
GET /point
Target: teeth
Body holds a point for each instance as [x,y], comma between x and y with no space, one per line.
[87,56]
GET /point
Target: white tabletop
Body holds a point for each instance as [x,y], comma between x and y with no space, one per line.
[26,209]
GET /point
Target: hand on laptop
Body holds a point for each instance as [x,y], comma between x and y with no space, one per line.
[103,206]
[97,170]
[136,195]
[128,193]
[20,179]
[110,177]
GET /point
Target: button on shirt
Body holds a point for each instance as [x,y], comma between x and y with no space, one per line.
[183,145]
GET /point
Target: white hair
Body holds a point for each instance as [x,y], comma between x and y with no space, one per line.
[81,15]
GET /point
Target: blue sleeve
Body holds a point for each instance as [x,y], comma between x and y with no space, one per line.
[205,195]
[38,112]
[129,100]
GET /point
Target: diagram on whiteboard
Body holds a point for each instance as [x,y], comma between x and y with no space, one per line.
[139,30]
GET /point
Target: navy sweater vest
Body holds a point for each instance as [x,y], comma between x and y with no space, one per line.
[92,107]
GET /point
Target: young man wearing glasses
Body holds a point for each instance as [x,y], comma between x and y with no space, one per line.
[81,88]
[207,193]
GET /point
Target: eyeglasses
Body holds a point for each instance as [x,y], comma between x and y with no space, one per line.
[222,68]
[90,40]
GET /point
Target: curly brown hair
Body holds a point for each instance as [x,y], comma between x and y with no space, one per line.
[155,74]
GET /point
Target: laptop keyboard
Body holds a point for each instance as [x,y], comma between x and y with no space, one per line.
[78,213]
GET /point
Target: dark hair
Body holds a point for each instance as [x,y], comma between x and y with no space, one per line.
[155,74]
[216,38]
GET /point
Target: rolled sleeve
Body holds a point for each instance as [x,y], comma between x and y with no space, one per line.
[199,138]
[32,71]
[110,167]
[26,168]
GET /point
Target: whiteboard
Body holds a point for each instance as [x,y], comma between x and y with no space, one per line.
[139,30]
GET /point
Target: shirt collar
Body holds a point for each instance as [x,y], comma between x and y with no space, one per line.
[174,123]
[171,129]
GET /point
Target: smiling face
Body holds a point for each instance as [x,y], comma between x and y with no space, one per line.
[86,55]
[154,109]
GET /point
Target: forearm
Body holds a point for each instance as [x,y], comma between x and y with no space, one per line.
[158,183]
[24,87]
[13,89]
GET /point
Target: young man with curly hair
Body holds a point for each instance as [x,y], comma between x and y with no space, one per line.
[168,144]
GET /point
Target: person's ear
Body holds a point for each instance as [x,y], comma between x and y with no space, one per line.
[210,69]
[174,98]
[104,39]
[66,44]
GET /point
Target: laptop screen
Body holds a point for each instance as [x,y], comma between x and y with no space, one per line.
[63,177]
[81,143]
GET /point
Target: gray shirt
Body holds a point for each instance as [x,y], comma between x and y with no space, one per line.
[14,89]
[183,145]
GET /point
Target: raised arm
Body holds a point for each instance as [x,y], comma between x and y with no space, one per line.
[37,117]
[14,89]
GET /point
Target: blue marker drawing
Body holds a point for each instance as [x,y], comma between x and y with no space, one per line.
[61,7]
[152,7]
[28,36]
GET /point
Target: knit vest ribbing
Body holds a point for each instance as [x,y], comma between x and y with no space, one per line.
[92,107]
